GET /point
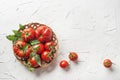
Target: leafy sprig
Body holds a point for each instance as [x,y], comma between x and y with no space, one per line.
[34,42]
[17,35]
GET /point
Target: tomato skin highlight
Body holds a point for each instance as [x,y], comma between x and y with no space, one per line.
[73,56]
[20,53]
[46,56]
[49,45]
[107,63]
[28,51]
[40,48]
[15,49]
[28,34]
[63,64]
[43,34]
[33,62]
[20,43]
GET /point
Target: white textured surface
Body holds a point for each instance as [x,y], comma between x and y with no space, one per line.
[89,27]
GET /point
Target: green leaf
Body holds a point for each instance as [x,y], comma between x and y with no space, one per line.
[31,69]
[15,39]
[37,58]
[19,38]
[21,26]
[36,49]
[33,42]
[17,33]
[32,54]
[11,37]
[25,48]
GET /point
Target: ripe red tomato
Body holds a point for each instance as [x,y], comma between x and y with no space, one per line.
[15,49]
[19,49]
[46,56]
[44,34]
[107,63]
[39,48]
[28,34]
[49,45]
[73,56]
[18,45]
[63,64]
[33,62]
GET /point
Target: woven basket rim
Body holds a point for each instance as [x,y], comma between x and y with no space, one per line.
[55,40]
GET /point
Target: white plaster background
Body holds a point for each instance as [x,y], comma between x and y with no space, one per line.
[89,27]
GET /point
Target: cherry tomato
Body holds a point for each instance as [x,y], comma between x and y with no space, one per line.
[46,56]
[49,45]
[107,63]
[44,34]
[63,64]
[73,56]
[39,48]
[28,34]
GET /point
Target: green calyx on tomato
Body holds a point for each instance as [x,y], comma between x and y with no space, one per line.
[73,56]
[46,56]
[49,46]
[107,63]
[28,34]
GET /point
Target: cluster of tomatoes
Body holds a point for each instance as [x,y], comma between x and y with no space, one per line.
[73,56]
[33,45]
[36,46]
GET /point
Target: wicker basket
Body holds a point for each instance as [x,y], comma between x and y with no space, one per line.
[54,39]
